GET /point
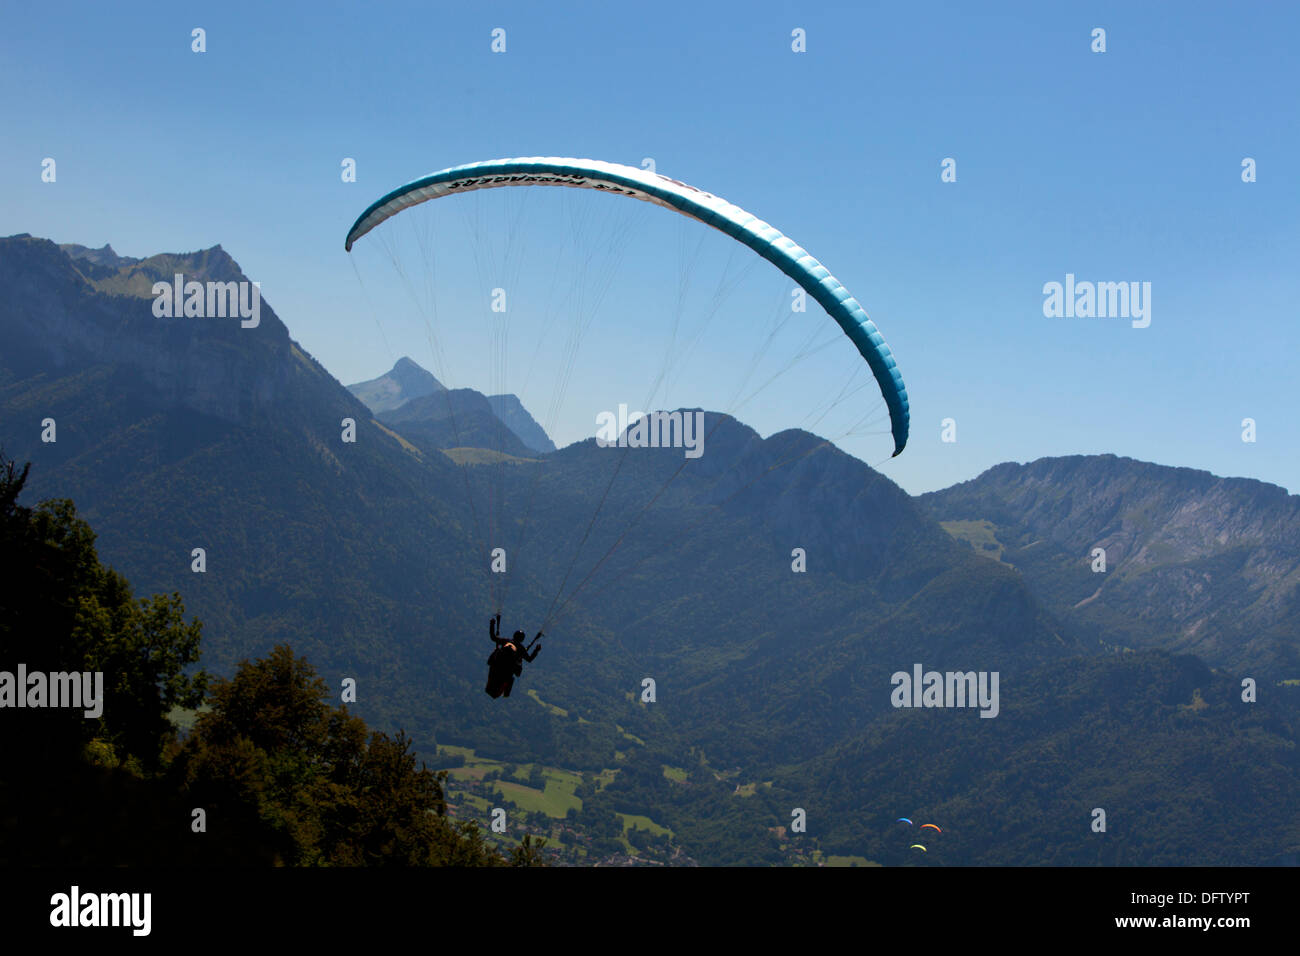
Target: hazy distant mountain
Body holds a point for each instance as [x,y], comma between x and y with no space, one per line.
[404,381]
[1194,562]
[439,418]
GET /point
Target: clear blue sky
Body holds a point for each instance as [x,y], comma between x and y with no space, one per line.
[1116,166]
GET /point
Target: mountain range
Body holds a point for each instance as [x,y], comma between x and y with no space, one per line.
[772,686]
[1193,562]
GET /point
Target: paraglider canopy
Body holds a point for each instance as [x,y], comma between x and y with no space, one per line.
[711,210]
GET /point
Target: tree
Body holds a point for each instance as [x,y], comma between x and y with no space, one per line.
[528,853]
[61,611]
[277,762]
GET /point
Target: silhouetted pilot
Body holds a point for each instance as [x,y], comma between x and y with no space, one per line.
[507,659]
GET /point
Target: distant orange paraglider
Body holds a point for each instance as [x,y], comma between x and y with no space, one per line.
[931,825]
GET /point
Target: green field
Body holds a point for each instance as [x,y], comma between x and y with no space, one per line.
[555,801]
[474,768]
[478,803]
[980,535]
[481,456]
[632,821]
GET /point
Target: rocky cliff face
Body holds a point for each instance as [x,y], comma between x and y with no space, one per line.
[74,308]
[510,410]
[1194,562]
[454,418]
[104,258]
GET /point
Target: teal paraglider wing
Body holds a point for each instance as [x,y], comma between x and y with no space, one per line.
[711,210]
